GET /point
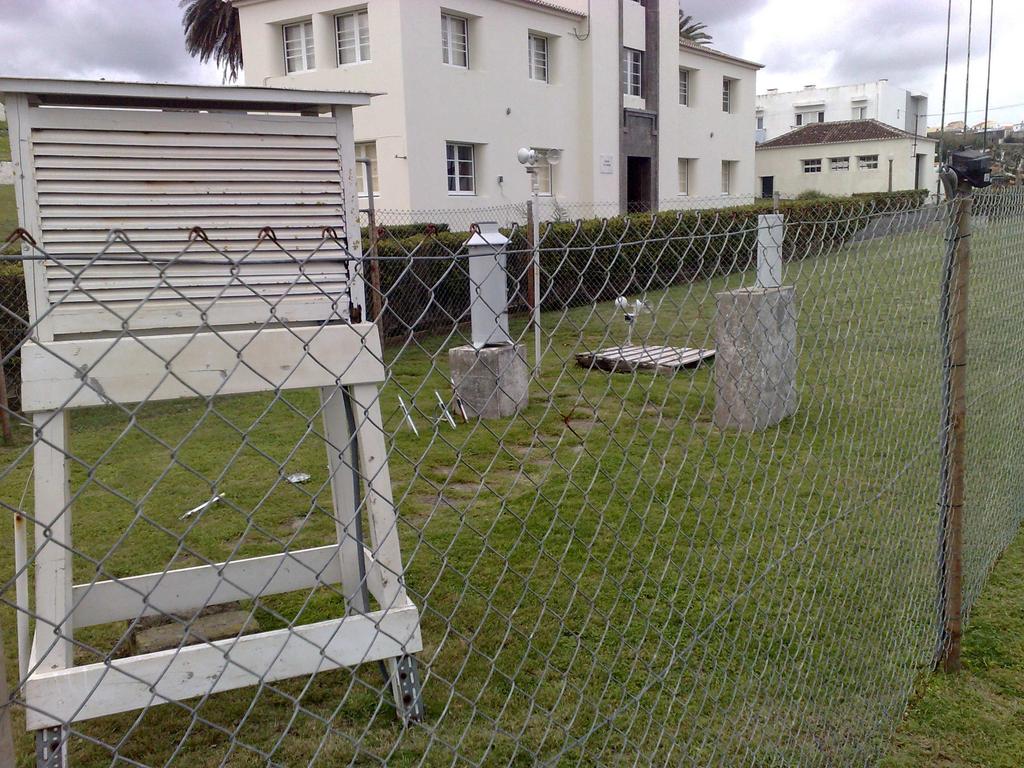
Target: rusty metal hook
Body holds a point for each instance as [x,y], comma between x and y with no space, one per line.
[267,233]
[18,234]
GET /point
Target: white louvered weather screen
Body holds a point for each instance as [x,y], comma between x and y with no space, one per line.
[157,176]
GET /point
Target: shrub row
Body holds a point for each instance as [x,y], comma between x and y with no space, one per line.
[426,285]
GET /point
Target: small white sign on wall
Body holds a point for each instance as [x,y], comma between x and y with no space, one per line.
[606,164]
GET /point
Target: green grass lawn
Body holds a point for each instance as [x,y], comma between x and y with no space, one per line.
[974,718]
[607,574]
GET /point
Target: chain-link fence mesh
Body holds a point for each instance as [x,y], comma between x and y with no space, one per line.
[601,573]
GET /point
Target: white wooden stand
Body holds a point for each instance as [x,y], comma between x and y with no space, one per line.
[57,692]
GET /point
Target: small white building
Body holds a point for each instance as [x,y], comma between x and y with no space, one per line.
[780,111]
[846,157]
[638,116]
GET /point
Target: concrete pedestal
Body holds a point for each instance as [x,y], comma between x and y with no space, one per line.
[755,362]
[493,382]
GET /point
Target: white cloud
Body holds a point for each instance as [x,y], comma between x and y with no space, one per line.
[833,42]
[112,39]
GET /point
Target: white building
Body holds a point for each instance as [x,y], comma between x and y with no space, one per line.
[782,111]
[638,117]
[846,157]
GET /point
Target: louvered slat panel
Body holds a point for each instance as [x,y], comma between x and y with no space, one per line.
[156,186]
[212,153]
[148,164]
[47,178]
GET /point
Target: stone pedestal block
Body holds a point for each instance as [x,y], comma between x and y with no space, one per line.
[755,361]
[493,382]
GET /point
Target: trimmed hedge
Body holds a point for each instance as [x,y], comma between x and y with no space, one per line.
[402,231]
[426,286]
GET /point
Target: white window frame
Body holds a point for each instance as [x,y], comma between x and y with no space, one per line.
[367,150]
[839,163]
[449,49]
[538,45]
[544,173]
[727,174]
[633,72]
[811,166]
[727,94]
[683,171]
[360,42]
[818,114]
[451,155]
[684,86]
[759,122]
[305,53]
[860,112]
[867,162]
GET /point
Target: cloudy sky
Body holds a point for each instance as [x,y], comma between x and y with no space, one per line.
[799,42]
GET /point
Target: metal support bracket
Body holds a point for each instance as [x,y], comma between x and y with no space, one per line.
[50,748]
[408,686]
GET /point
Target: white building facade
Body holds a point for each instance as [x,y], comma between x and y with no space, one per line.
[778,112]
[844,158]
[638,117]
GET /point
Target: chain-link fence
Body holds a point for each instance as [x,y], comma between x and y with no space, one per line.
[702,527]
[402,222]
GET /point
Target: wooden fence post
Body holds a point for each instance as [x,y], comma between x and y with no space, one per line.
[6,733]
[955,285]
[5,406]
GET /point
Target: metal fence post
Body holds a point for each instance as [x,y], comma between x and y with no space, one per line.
[533,290]
[953,325]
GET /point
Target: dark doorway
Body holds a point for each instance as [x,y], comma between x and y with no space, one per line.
[919,169]
[767,186]
[638,184]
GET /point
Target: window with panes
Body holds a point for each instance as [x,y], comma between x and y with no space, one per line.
[632,72]
[461,169]
[367,150]
[298,47]
[537,47]
[353,32]
[454,40]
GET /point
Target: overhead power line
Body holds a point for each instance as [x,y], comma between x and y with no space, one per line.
[988,77]
[967,75]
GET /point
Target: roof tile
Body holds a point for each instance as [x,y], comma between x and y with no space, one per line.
[838,132]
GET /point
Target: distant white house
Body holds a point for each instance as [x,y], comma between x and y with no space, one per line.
[778,112]
[637,115]
[845,157]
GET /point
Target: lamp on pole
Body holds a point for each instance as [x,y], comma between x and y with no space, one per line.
[531,158]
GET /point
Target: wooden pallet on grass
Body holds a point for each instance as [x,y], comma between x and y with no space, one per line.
[633,357]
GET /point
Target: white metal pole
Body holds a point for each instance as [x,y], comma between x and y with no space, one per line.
[536,275]
[21,590]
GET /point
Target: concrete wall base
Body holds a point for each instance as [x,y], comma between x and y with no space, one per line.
[755,360]
[493,382]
